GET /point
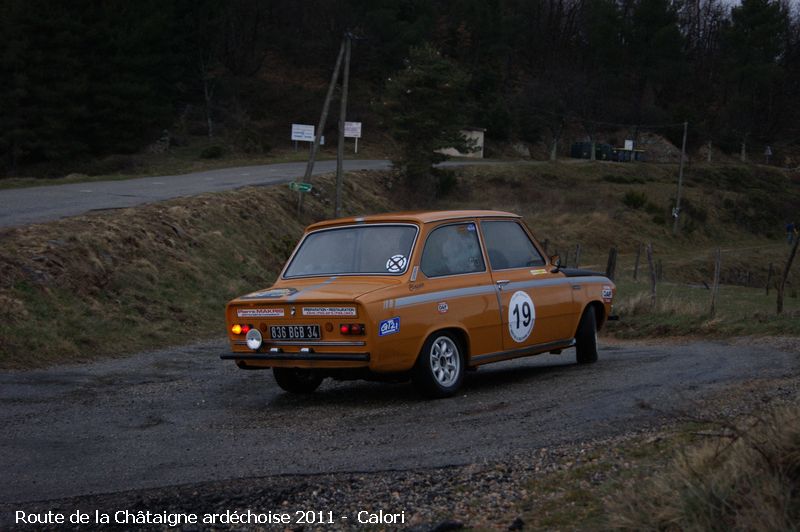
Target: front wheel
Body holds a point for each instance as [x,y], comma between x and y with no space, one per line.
[439,371]
[296,380]
[586,338]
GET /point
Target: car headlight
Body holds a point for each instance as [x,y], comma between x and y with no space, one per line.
[254,339]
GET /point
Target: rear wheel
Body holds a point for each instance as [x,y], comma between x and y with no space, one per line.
[296,380]
[586,338]
[439,371]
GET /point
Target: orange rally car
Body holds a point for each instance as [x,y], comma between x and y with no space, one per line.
[422,295]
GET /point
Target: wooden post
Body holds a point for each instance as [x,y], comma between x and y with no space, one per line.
[677,213]
[715,286]
[636,264]
[577,255]
[342,118]
[611,265]
[769,277]
[782,285]
[321,126]
[649,251]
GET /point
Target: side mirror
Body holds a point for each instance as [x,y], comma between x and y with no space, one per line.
[555,260]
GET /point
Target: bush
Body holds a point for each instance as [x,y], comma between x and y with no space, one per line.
[634,200]
[446,182]
[212,152]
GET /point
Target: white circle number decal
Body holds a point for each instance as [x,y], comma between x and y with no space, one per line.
[521,315]
[396,263]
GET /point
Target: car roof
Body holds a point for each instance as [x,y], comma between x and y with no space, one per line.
[419,217]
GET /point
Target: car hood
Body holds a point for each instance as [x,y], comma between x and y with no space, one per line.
[336,288]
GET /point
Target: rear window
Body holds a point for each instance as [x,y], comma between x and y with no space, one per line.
[355,250]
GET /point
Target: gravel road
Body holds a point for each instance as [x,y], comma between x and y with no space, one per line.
[182,416]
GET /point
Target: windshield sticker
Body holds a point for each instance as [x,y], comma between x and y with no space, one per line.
[269,294]
[396,263]
[260,312]
[329,311]
[389,326]
[443,308]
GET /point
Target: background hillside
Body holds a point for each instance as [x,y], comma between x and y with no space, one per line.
[86,83]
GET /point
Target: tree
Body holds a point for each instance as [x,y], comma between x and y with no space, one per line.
[755,48]
[424,108]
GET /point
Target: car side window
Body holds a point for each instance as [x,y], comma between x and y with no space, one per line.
[452,250]
[508,246]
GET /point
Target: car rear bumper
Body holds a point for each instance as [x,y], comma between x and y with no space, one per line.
[320,357]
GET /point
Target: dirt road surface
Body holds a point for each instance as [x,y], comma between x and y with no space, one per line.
[181,416]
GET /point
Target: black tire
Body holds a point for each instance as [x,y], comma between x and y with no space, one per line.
[296,380]
[439,370]
[586,338]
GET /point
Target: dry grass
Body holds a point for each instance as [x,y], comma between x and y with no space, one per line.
[746,477]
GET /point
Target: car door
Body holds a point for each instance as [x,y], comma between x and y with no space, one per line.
[456,287]
[534,303]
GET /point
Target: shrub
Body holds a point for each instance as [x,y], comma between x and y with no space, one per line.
[634,200]
[212,152]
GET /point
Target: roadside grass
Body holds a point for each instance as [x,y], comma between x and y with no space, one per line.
[684,309]
[576,496]
[730,464]
[744,476]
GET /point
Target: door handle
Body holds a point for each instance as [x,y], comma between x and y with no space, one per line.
[501,283]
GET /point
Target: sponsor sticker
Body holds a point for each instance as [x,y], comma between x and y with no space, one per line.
[260,312]
[607,294]
[443,308]
[538,272]
[389,326]
[329,311]
[273,293]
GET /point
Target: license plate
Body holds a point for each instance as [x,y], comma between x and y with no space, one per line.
[294,332]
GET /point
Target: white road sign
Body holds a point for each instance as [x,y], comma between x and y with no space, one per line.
[352,130]
[303,132]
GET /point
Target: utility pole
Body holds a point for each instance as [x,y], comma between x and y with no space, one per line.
[342,118]
[322,119]
[677,211]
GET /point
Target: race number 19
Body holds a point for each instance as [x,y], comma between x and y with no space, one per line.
[521,315]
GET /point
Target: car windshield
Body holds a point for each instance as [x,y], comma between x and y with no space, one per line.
[363,249]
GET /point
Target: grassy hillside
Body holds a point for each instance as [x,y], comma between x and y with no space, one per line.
[125,280]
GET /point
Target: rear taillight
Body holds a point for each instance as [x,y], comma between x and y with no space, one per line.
[352,328]
[240,328]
